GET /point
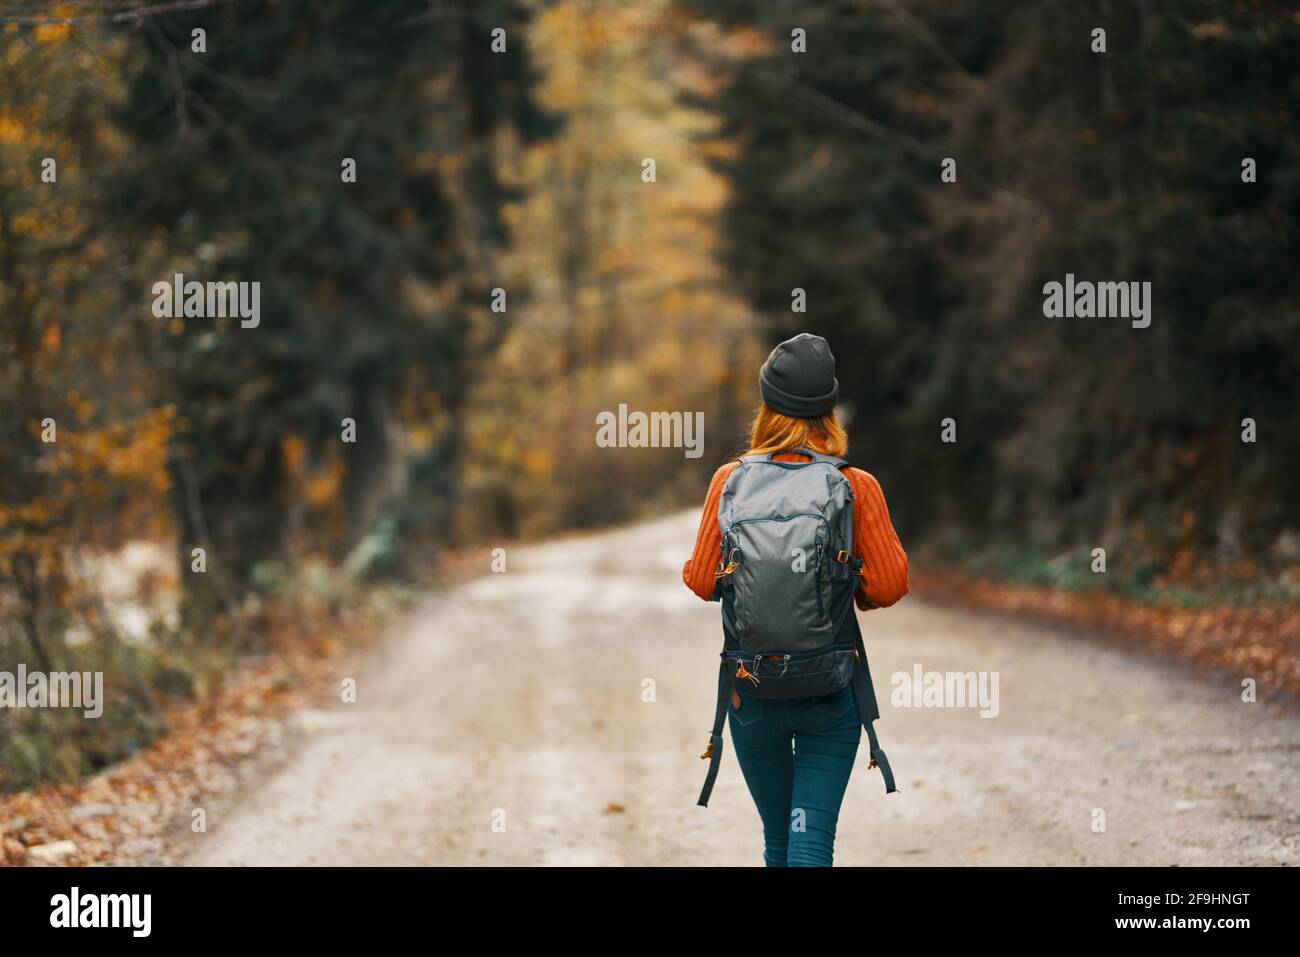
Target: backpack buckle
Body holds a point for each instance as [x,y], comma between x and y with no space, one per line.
[842,556]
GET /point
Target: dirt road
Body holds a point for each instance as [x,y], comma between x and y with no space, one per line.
[506,725]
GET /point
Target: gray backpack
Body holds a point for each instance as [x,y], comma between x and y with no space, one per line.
[786,580]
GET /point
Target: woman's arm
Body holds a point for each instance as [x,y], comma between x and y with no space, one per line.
[884,567]
[698,572]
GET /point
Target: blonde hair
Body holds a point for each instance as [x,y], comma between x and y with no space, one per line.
[773,432]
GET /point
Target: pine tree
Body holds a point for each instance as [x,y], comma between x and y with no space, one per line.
[365,284]
[1122,166]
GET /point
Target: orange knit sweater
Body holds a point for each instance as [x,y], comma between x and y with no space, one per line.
[884,568]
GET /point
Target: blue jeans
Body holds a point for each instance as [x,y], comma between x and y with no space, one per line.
[796,756]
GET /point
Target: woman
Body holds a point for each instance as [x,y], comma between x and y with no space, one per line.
[796,754]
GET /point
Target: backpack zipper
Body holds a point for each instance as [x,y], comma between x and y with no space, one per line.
[749,521]
[756,660]
[817,581]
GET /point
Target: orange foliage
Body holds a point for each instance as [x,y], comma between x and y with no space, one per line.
[85,471]
[1258,641]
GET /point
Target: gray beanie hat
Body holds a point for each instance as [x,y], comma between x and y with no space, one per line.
[798,378]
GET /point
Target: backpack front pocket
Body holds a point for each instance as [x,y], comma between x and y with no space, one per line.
[781,597]
[793,674]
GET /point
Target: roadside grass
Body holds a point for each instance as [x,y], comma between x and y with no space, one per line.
[1234,616]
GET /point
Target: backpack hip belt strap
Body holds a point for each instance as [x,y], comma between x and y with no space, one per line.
[864,694]
[714,751]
